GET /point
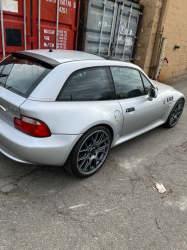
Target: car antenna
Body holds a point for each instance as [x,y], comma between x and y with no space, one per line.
[50,50]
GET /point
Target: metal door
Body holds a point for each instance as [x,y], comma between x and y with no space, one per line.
[112,28]
[144,112]
[12,19]
[26,24]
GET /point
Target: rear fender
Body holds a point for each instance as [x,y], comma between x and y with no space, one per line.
[75,117]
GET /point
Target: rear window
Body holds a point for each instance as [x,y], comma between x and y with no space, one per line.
[21,75]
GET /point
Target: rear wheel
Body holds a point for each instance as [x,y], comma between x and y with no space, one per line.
[90,152]
[175,114]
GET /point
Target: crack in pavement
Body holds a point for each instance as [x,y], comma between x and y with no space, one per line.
[16,181]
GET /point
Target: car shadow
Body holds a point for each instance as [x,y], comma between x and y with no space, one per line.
[40,180]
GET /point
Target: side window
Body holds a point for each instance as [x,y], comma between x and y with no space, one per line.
[127,81]
[147,84]
[87,84]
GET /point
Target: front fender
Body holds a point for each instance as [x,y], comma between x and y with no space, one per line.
[169,100]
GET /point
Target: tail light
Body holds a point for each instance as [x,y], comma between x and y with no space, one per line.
[32,126]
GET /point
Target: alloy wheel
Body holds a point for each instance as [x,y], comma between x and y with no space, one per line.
[176,113]
[93,152]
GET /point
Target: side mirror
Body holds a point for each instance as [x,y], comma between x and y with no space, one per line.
[152,93]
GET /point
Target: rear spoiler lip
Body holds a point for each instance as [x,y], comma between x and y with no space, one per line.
[42,59]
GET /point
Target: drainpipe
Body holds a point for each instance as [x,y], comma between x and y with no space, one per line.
[159,34]
[161,58]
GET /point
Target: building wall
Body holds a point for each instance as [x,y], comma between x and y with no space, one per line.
[175,29]
[148,29]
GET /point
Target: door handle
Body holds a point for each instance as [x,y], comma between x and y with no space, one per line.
[2,108]
[129,110]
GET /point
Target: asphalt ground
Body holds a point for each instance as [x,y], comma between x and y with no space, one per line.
[45,207]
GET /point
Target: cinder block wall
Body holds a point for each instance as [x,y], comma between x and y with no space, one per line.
[148,29]
[175,29]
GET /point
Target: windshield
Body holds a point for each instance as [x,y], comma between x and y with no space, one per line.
[21,75]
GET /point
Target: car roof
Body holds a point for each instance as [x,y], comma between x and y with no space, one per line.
[58,57]
[62,56]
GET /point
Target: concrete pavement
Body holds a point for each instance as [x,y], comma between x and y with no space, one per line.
[47,208]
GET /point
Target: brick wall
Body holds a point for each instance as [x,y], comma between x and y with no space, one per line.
[148,29]
[175,29]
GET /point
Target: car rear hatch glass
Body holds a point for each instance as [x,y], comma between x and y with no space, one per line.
[19,76]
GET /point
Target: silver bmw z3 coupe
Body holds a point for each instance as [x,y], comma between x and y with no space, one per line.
[68,108]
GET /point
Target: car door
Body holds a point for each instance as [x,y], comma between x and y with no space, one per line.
[138,111]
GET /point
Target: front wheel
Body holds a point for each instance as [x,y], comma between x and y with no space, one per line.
[90,152]
[175,114]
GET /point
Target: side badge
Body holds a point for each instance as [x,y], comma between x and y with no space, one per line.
[168,100]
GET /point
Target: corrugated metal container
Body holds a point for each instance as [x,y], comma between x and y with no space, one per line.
[111,28]
[26,24]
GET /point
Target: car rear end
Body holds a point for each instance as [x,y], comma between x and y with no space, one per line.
[25,138]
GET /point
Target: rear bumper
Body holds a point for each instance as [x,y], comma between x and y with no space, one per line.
[21,147]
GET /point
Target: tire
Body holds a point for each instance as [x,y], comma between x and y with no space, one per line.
[90,152]
[175,114]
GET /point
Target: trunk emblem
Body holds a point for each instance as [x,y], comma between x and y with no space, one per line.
[2,108]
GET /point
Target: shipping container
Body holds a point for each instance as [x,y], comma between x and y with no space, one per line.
[27,24]
[111,28]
